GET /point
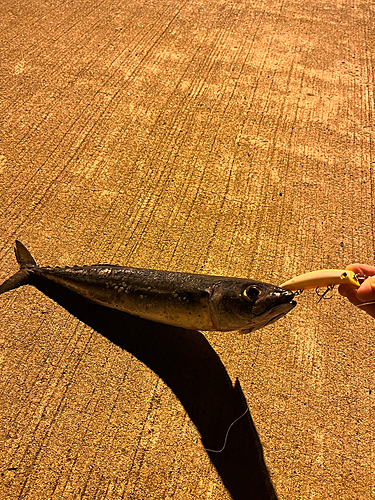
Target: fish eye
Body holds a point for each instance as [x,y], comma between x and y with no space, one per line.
[251,292]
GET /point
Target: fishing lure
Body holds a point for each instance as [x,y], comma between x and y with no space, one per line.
[192,301]
[323,278]
[327,278]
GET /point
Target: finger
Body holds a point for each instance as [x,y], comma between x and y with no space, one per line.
[345,289]
[358,297]
[350,292]
[366,292]
[363,269]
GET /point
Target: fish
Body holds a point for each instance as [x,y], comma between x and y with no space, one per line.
[190,301]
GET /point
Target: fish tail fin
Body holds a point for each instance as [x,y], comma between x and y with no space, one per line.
[26,261]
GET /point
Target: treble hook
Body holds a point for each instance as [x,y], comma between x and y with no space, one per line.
[323,295]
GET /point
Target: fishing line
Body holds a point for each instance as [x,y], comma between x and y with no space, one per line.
[226,436]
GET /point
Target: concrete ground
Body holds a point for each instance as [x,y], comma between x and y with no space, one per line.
[232,138]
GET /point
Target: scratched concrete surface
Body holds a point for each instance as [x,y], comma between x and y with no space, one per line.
[221,137]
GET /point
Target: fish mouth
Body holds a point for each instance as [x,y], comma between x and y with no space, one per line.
[276,304]
[278,297]
[286,297]
[281,306]
[275,310]
[280,310]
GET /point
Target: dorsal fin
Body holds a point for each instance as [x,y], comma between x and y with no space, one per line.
[23,256]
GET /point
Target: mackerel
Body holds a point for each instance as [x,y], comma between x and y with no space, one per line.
[192,301]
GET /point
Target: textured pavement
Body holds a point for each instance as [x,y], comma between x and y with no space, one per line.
[231,138]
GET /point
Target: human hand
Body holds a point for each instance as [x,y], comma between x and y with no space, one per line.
[365,294]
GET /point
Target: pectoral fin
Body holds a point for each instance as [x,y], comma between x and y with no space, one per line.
[244,331]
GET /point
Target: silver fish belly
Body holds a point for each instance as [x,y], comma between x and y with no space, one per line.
[192,301]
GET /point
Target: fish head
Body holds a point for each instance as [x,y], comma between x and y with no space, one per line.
[248,305]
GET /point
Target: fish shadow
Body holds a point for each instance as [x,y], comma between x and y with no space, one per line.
[188,364]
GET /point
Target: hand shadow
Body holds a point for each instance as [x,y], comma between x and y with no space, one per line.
[191,368]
